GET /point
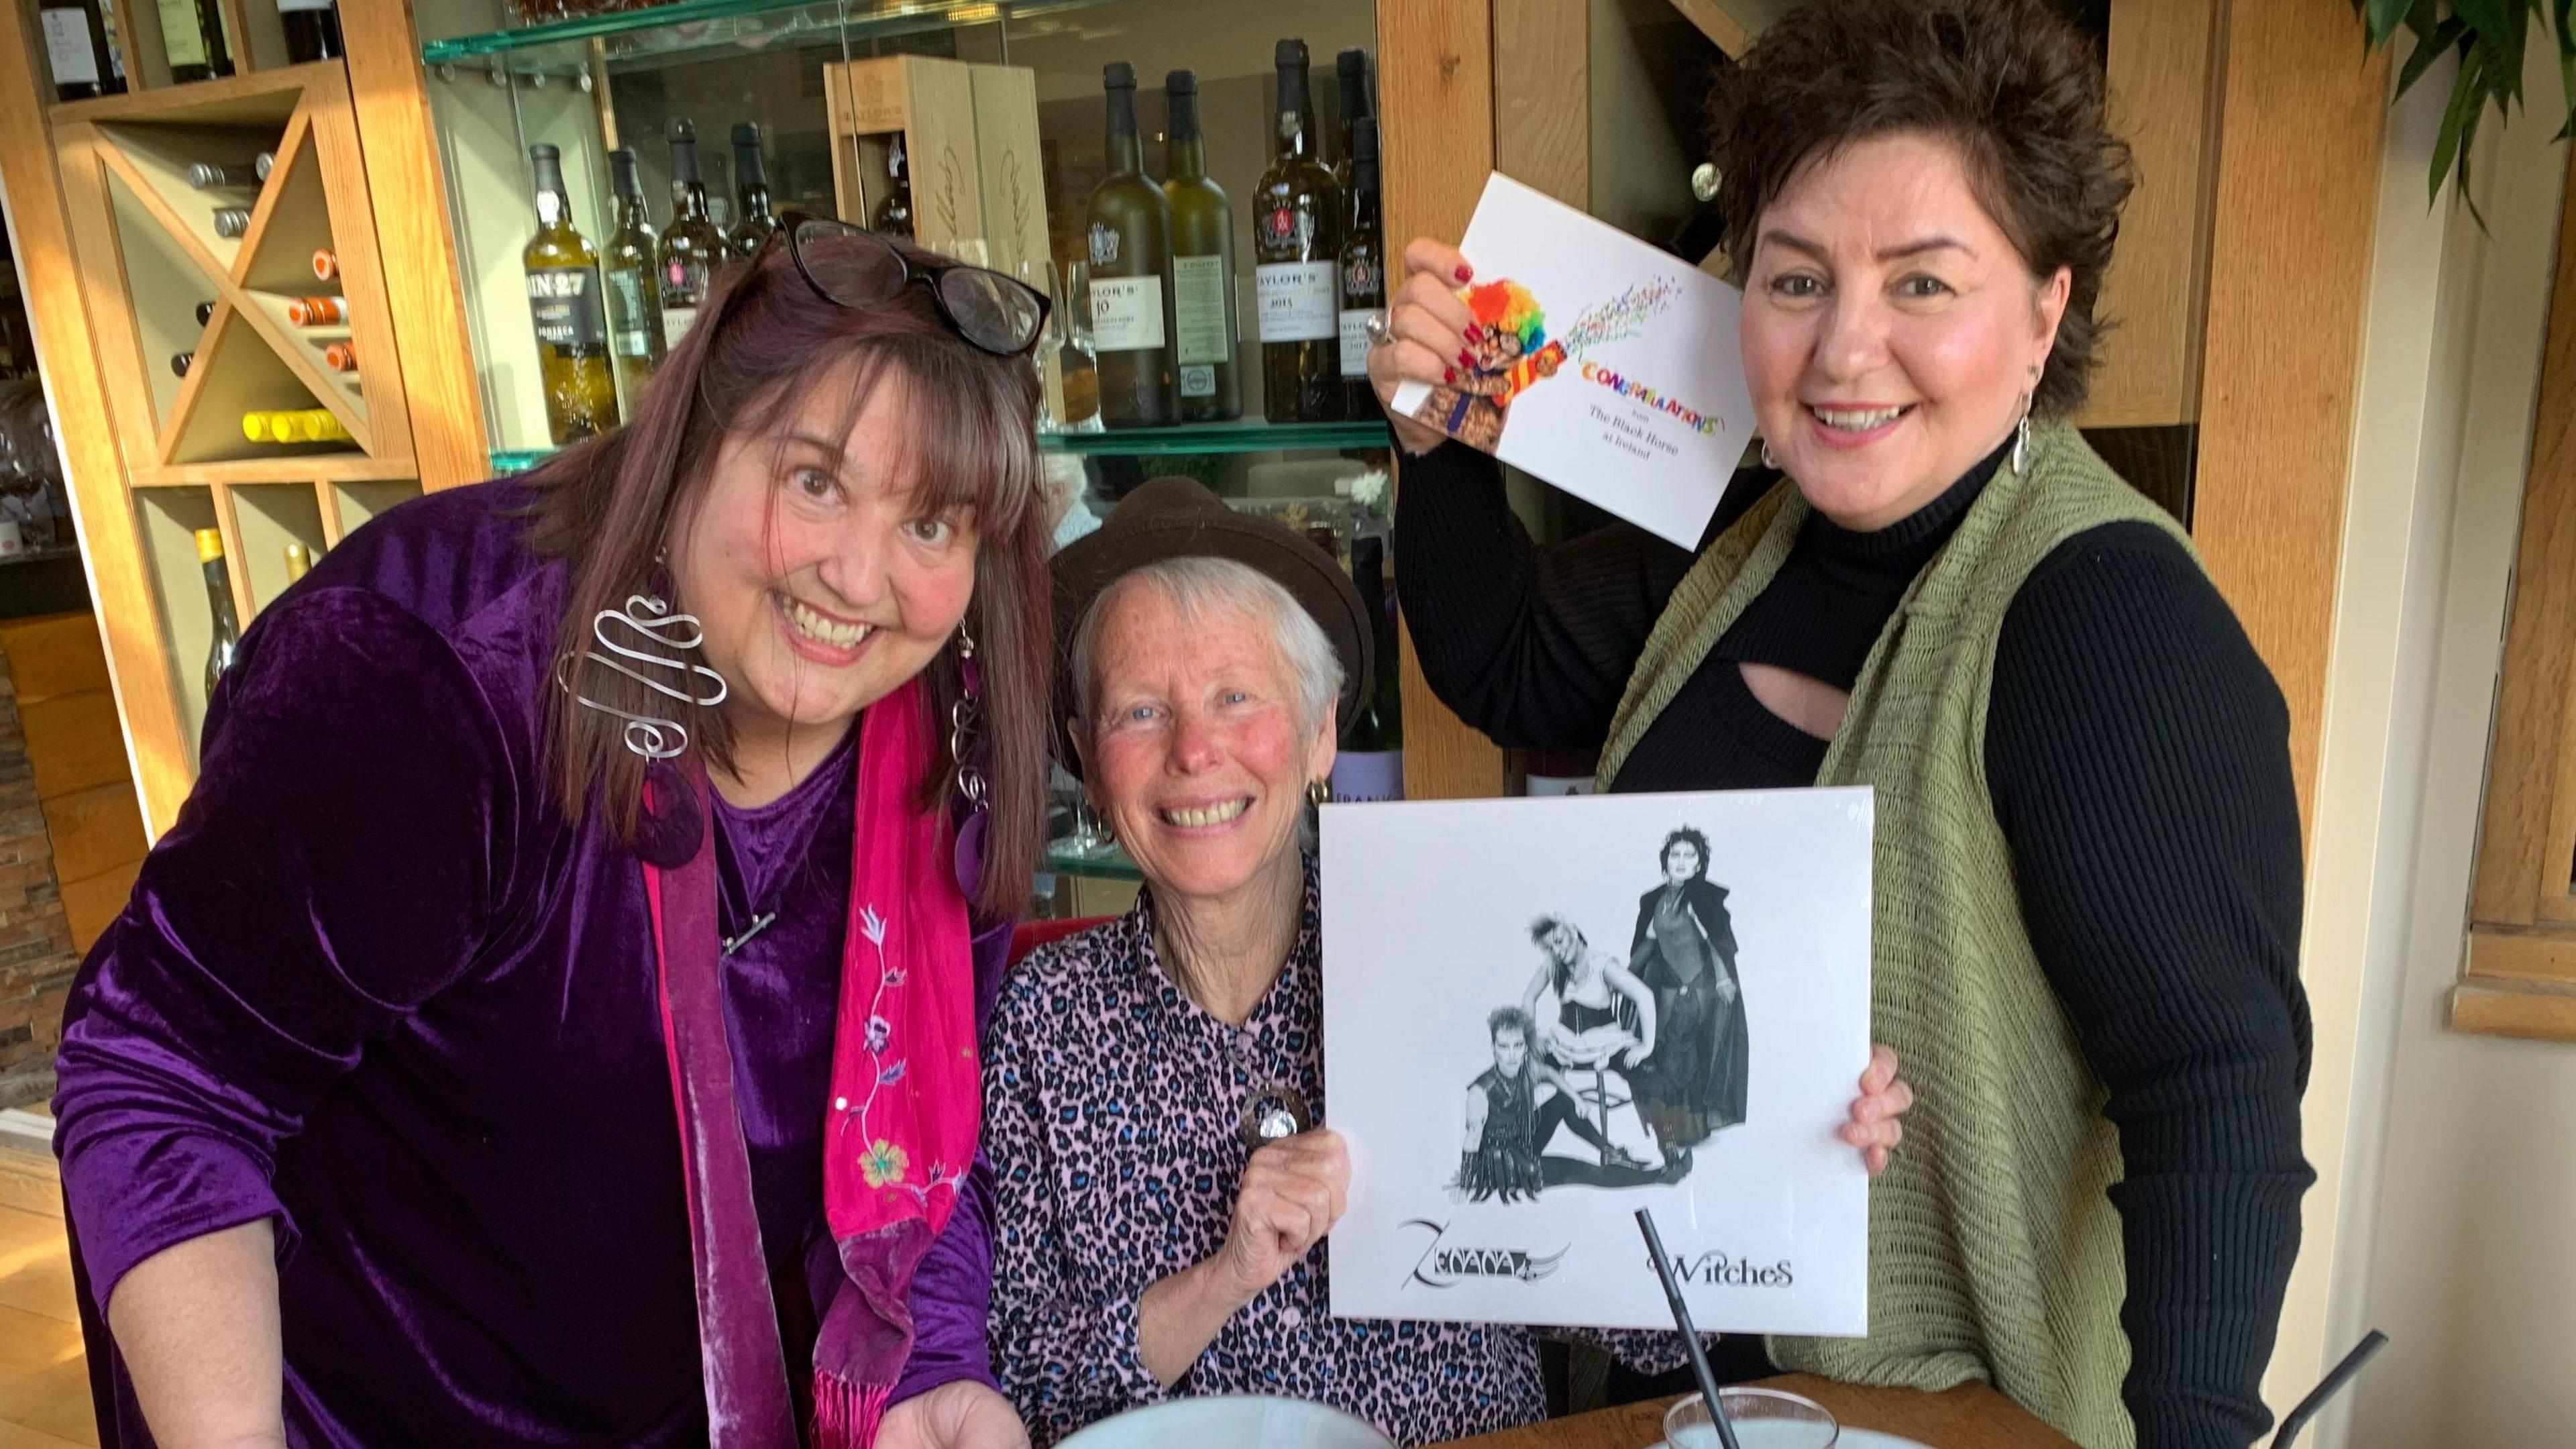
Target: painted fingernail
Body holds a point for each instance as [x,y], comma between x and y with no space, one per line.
[1475,333]
[1465,358]
[1465,271]
[1448,374]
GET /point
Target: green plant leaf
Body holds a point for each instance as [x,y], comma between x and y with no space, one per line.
[2428,50]
[2468,96]
[2382,17]
[2502,26]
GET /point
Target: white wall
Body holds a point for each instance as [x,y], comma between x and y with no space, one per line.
[2444,1209]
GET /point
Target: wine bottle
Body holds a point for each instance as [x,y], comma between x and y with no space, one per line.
[312,29]
[326,265]
[1203,325]
[217,176]
[341,357]
[893,216]
[219,603]
[1130,234]
[315,311]
[634,285]
[205,313]
[192,36]
[1370,762]
[751,193]
[1297,244]
[1363,269]
[1350,78]
[564,303]
[693,248]
[232,221]
[75,38]
[263,163]
[299,561]
[180,362]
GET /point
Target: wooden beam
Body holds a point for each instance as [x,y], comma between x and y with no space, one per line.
[2517,958]
[2164,92]
[1436,96]
[2296,205]
[1543,96]
[120,590]
[2530,1015]
[1722,29]
[400,151]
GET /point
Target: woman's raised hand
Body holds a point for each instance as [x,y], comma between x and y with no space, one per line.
[1884,1097]
[1293,1192]
[1427,331]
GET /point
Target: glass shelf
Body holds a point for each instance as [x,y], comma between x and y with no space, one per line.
[1253,436]
[1250,436]
[1062,859]
[676,33]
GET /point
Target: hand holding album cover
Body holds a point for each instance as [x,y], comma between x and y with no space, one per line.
[1542,1015]
[1603,365]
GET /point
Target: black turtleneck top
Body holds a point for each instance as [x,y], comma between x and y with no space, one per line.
[2137,756]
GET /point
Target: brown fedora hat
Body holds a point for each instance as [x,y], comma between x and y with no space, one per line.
[1168,518]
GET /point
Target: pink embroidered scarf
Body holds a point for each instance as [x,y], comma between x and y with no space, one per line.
[900,1127]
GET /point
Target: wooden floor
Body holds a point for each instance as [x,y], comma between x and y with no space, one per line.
[44,1386]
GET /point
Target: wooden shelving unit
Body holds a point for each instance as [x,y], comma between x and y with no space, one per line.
[147,254]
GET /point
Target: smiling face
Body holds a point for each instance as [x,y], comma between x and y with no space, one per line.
[1681,861]
[1563,944]
[1195,750]
[821,582]
[1892,334]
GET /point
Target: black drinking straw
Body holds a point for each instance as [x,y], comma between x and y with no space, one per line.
[2297,1419]
[1690,1335]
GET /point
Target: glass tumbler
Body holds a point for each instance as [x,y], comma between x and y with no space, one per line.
[1763,1419]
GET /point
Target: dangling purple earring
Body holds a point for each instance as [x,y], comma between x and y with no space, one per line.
[963,719]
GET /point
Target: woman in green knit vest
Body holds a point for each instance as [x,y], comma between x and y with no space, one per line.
[2088,874]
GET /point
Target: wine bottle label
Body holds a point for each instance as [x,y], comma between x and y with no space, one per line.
[1297,301]
[1360,277]
[1104,244]
[67,48]
[1364,775]
[676,322]
[181,37]
[289,7]
[1126,313]
[684,284]
[565,303]
[626,311]
[1199,317]
[1286,226]
[1355,341]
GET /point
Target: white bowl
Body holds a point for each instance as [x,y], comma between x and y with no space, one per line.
[1236,1421]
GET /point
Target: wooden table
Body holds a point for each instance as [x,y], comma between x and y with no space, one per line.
[1971,1416]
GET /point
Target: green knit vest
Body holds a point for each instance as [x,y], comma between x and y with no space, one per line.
[1995,1252]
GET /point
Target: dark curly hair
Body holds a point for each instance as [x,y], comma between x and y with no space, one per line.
[2009,82]
[1691,837]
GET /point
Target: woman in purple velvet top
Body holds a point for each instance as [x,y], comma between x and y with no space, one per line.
[552,1019]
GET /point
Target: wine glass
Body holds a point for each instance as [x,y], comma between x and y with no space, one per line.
[1762,1419]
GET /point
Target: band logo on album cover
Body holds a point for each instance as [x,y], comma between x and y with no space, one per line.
[1444,1264]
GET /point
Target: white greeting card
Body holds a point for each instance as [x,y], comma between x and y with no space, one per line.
[1542,1015]
[1606,367]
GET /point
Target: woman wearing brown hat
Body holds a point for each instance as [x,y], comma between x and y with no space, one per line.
[1153,1086]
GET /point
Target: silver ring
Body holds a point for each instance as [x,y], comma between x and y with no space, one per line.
[1379,334]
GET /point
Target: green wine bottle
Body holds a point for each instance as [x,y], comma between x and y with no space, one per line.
[1130,233]
[1297,245]
[751,193]
[1370,763]
[1350,80]
[631,267]
[219,603]
[192,36]
[1203,325]
[1363,269]
[692,249]
[564,302]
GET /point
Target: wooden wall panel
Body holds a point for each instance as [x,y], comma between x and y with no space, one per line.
[2297,197]
[2164,89]
[1543,96]
[76,753]
[403,176]
[1436,96]
[120,589]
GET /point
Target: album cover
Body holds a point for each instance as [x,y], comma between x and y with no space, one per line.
[1607,367]
[1543,1014]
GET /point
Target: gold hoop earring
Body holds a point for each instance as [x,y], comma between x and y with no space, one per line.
[1319,793]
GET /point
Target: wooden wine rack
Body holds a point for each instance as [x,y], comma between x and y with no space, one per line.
[147,254]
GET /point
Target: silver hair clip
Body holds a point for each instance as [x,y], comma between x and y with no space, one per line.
[652,737]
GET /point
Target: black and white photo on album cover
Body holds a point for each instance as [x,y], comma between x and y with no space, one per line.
[1543,1014]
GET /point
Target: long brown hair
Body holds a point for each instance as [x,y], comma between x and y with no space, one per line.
[766,342]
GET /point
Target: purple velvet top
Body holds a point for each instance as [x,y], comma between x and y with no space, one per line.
[372,986]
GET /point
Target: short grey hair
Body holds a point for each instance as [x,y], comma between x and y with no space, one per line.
[1200,586]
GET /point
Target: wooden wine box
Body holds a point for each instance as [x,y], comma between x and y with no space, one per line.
[970,138]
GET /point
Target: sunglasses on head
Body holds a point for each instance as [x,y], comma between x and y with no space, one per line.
[851,266]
